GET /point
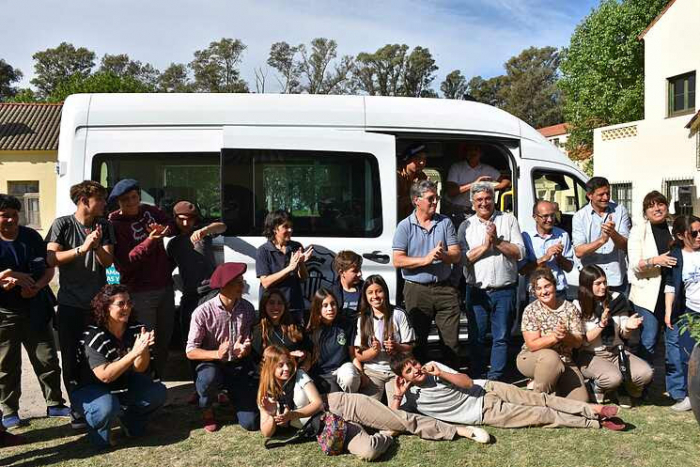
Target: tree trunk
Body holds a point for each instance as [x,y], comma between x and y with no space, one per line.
[694,381]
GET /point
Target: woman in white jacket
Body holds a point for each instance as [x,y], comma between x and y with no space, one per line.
[649,261]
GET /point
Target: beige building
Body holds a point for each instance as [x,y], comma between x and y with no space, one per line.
[28,155]
[557,135]
[661,152]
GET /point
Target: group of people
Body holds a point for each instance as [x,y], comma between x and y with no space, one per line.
[350,352]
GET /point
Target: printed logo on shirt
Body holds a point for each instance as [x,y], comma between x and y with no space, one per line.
[341,339]
[138,228]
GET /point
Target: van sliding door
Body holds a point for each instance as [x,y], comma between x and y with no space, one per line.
[339,185]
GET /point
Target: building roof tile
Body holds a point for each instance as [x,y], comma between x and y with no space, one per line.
[29,127]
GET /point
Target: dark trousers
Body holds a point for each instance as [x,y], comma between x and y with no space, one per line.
[242,388]
[497,308]
[71,324]
[434,301]
[16,330]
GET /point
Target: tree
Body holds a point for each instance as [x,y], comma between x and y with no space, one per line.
[603,69]
[216,67]
[122,65]
[8,75]
[487,91]
[392,71]
[531,92]
[101,81]
[175,78]
[314,67]
[454,86]
[282,59]
[53,66]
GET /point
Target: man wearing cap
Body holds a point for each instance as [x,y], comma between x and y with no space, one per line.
[410,170]
[191,250]
[463,174]
[82,246]
[219,341]
[143,264]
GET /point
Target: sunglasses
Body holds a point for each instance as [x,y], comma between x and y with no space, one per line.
[694,233]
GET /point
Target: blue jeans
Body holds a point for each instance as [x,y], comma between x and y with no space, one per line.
[242,386]
[133,407]
[500,304]
[649,334]
[678,348]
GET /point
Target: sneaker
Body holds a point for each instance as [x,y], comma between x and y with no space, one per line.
[682,406]
[210,423]
[58,411]
[475,434]
[613,424]
[624,401]
[8,439]
[77,421]
[13,421]
[530,385]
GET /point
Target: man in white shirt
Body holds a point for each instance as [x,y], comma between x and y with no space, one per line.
[491,245]
[464,173]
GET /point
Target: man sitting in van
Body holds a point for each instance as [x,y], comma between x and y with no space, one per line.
[463,174]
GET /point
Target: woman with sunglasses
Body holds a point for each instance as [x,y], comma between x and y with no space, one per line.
[682,297]
[649,263]
[116,383]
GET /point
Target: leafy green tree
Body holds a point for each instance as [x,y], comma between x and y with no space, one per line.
[54,66]
[282,58]
[175,78]
[314,67]
[25,95]
[603,69]
[487,91]
[454,86]
[216,67]
[531,92]
[392,71]
[101,81]
[8,75]
[122,65]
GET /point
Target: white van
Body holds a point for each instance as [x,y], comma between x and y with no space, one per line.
[330,160]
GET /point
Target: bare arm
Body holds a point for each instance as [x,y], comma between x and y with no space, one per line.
[588,248]
[534,340]
[403,261]
[510,250]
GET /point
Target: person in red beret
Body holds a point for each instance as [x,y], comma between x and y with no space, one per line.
[219,341]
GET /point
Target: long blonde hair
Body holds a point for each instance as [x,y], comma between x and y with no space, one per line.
[269,386]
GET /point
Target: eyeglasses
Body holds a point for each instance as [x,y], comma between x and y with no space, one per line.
[546,216]
[432,199]
[694,233]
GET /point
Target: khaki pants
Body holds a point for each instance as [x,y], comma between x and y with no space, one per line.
[602,367]
[506,406]
[379,382]
[371,413]
[551,375]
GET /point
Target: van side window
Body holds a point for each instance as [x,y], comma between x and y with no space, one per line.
[166,178]
[564,189]
[330,194]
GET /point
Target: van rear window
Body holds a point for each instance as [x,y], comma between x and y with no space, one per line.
[166,178]
[330,194]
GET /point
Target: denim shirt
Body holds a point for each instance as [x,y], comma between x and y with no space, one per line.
[536,246]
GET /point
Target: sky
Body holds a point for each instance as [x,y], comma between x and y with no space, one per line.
[474,36]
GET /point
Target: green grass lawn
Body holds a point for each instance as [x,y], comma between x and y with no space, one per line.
[659,438]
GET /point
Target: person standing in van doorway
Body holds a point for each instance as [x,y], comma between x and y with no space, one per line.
[547,246]
[143,264]
[410,170]
[463,174]
[599,233]
[281,262]
[193,253]
[492,245]
[81,245]
[425,248]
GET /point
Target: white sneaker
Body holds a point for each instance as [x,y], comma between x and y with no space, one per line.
[624,401]
[682,406]
[599,397]
[530,385]
[475,434]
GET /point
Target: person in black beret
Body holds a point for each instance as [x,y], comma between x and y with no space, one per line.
[410,169]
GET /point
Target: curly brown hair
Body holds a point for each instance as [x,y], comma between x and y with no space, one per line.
[86,189]
[100,304]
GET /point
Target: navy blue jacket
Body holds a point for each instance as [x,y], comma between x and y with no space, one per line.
[675,279]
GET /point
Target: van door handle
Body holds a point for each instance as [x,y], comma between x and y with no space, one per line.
[377,257]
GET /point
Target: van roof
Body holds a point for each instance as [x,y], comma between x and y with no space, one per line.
[371,113]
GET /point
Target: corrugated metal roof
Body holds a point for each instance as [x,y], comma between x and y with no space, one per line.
[27,127]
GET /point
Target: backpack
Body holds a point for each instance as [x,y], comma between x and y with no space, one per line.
[330,431]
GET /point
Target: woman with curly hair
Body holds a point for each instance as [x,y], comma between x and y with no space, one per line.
[116,366]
